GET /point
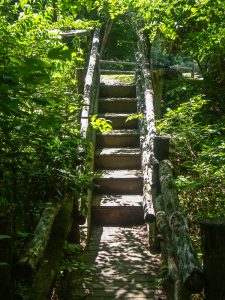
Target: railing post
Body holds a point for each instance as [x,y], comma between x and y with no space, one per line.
[6,260]
[213,246]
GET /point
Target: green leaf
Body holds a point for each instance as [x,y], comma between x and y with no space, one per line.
[61,53]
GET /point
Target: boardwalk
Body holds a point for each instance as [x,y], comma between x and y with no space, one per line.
[123,267]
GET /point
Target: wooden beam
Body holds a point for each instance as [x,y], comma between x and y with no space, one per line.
[117,72]
[117,62]
[77,32]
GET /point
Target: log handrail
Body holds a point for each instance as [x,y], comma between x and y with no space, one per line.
[160,198]
[117,62]
[90,86]
[148,130]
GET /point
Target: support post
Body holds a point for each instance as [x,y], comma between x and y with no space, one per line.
[80,76]
[6,260]
[161,146]
[213,244]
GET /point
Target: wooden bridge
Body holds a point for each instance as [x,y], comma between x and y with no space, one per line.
[124,268]
[122,217]
[133,202]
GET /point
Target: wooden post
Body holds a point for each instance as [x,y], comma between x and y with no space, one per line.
[157,84]
[161,146]
[5,281]
[80,75]
[213,244]
[6,256]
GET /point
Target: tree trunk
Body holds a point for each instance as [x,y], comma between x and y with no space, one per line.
[213,244]
[50,263]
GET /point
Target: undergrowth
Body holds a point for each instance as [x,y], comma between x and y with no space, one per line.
[194,119]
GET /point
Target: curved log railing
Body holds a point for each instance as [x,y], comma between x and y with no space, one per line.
[160,199]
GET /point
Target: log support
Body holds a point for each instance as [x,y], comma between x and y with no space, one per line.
[6,260]
[184,274]
[49,265]
[213,245]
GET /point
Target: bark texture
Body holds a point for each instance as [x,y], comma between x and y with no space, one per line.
[28,263]
[185,275]
[148,129]
[49,265]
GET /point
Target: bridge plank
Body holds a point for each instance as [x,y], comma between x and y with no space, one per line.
[123,266]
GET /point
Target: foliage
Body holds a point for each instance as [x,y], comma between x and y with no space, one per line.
[197,151]
[70,260]
[100,124]
[41,146]
[193,27]
[120,46]
[137,116]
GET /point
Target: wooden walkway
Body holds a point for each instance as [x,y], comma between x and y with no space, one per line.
[121,267]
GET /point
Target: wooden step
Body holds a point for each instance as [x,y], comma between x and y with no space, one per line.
[118,158]
[119,182]
[117,91]
[118,120]
[117,105]
[118,139]
[107,200]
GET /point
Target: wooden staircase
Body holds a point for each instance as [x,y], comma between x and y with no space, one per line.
[117,195]
[121,265]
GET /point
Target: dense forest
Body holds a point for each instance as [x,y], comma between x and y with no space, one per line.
[44,157]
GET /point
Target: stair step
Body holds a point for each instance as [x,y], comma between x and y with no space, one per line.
[117,200]
[118,139]
[117,215]
[119,182]
[118,158]
[117,105]
[117,209]
[117,91]
[118,120]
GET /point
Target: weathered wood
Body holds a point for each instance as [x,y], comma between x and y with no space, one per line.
[171,282]
[161,146]
[102,71]
[213,245]
[36,248]
[157,83]
[49,265]
[188,266]
[81,32]
[148,129]
[117,62]
[89,88]
[80,76]
[168,189]
[6,289]
[190,271]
